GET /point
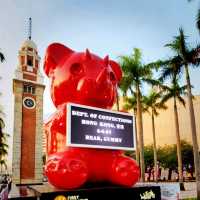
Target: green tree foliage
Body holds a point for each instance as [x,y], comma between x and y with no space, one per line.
[187,154]
[3,135]
[148,156]
[167,156]
[3,145]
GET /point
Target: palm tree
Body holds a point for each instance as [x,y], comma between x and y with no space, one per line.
[3,143]
[3,136]
[152,105]
[185,57]
[117,101]
[135,74]
[175,91]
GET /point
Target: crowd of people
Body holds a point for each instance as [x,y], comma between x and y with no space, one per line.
[168,174]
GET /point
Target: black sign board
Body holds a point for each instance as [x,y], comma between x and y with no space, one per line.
[99,128]
[117,193]
[45,192]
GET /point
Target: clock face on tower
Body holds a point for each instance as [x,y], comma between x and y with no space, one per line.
[29,102]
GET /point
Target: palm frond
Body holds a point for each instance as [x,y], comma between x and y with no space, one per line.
[158,64]
[137,55]
[197,62]
[3,152]
[161,105]
[151,81]
[172,70]
[2,57]
[3,137]
[164,88]
[125,84]
[193,56]
[2,124]
[130,64]
[173,46]
[183,43]
[4,145]
[3,163]
[155,112]
[180,90]
[152,101]
[176,61]
[178,45]
[146,109]
[198,20]
[135,72]
[166,72]
[181,100]
[174,91]
[126,63]
[130,103]
[166,97]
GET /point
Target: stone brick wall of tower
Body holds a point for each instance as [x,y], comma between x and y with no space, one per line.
[28,142]
[17,89]
[29,77]
[39,131]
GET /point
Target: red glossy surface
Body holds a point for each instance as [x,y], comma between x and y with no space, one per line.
[86,79]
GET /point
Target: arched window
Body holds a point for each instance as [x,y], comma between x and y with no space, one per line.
[29,89]
[30,60]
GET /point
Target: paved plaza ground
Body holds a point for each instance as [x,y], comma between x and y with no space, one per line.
[190,190]
[172,187]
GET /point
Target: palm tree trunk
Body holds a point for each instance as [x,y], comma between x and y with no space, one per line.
[117,99]
[136,139]
[154,148]
[178,141]
[140,133]
[194,134]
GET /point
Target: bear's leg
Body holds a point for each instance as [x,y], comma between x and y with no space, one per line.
[124,171]
[66,170]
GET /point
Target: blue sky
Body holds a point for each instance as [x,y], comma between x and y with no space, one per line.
[111,27]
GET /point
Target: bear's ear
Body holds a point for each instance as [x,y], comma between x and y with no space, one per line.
[117,70]
[54,54]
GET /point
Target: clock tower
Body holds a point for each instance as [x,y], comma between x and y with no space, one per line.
[28,91]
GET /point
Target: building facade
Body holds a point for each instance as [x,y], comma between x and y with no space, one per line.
[165,125]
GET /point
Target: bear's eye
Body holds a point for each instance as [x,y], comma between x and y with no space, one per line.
[112,77]
[76,69]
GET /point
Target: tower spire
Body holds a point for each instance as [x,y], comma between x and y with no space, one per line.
[30,28]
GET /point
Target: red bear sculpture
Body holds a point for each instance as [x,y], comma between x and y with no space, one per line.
[82,78]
